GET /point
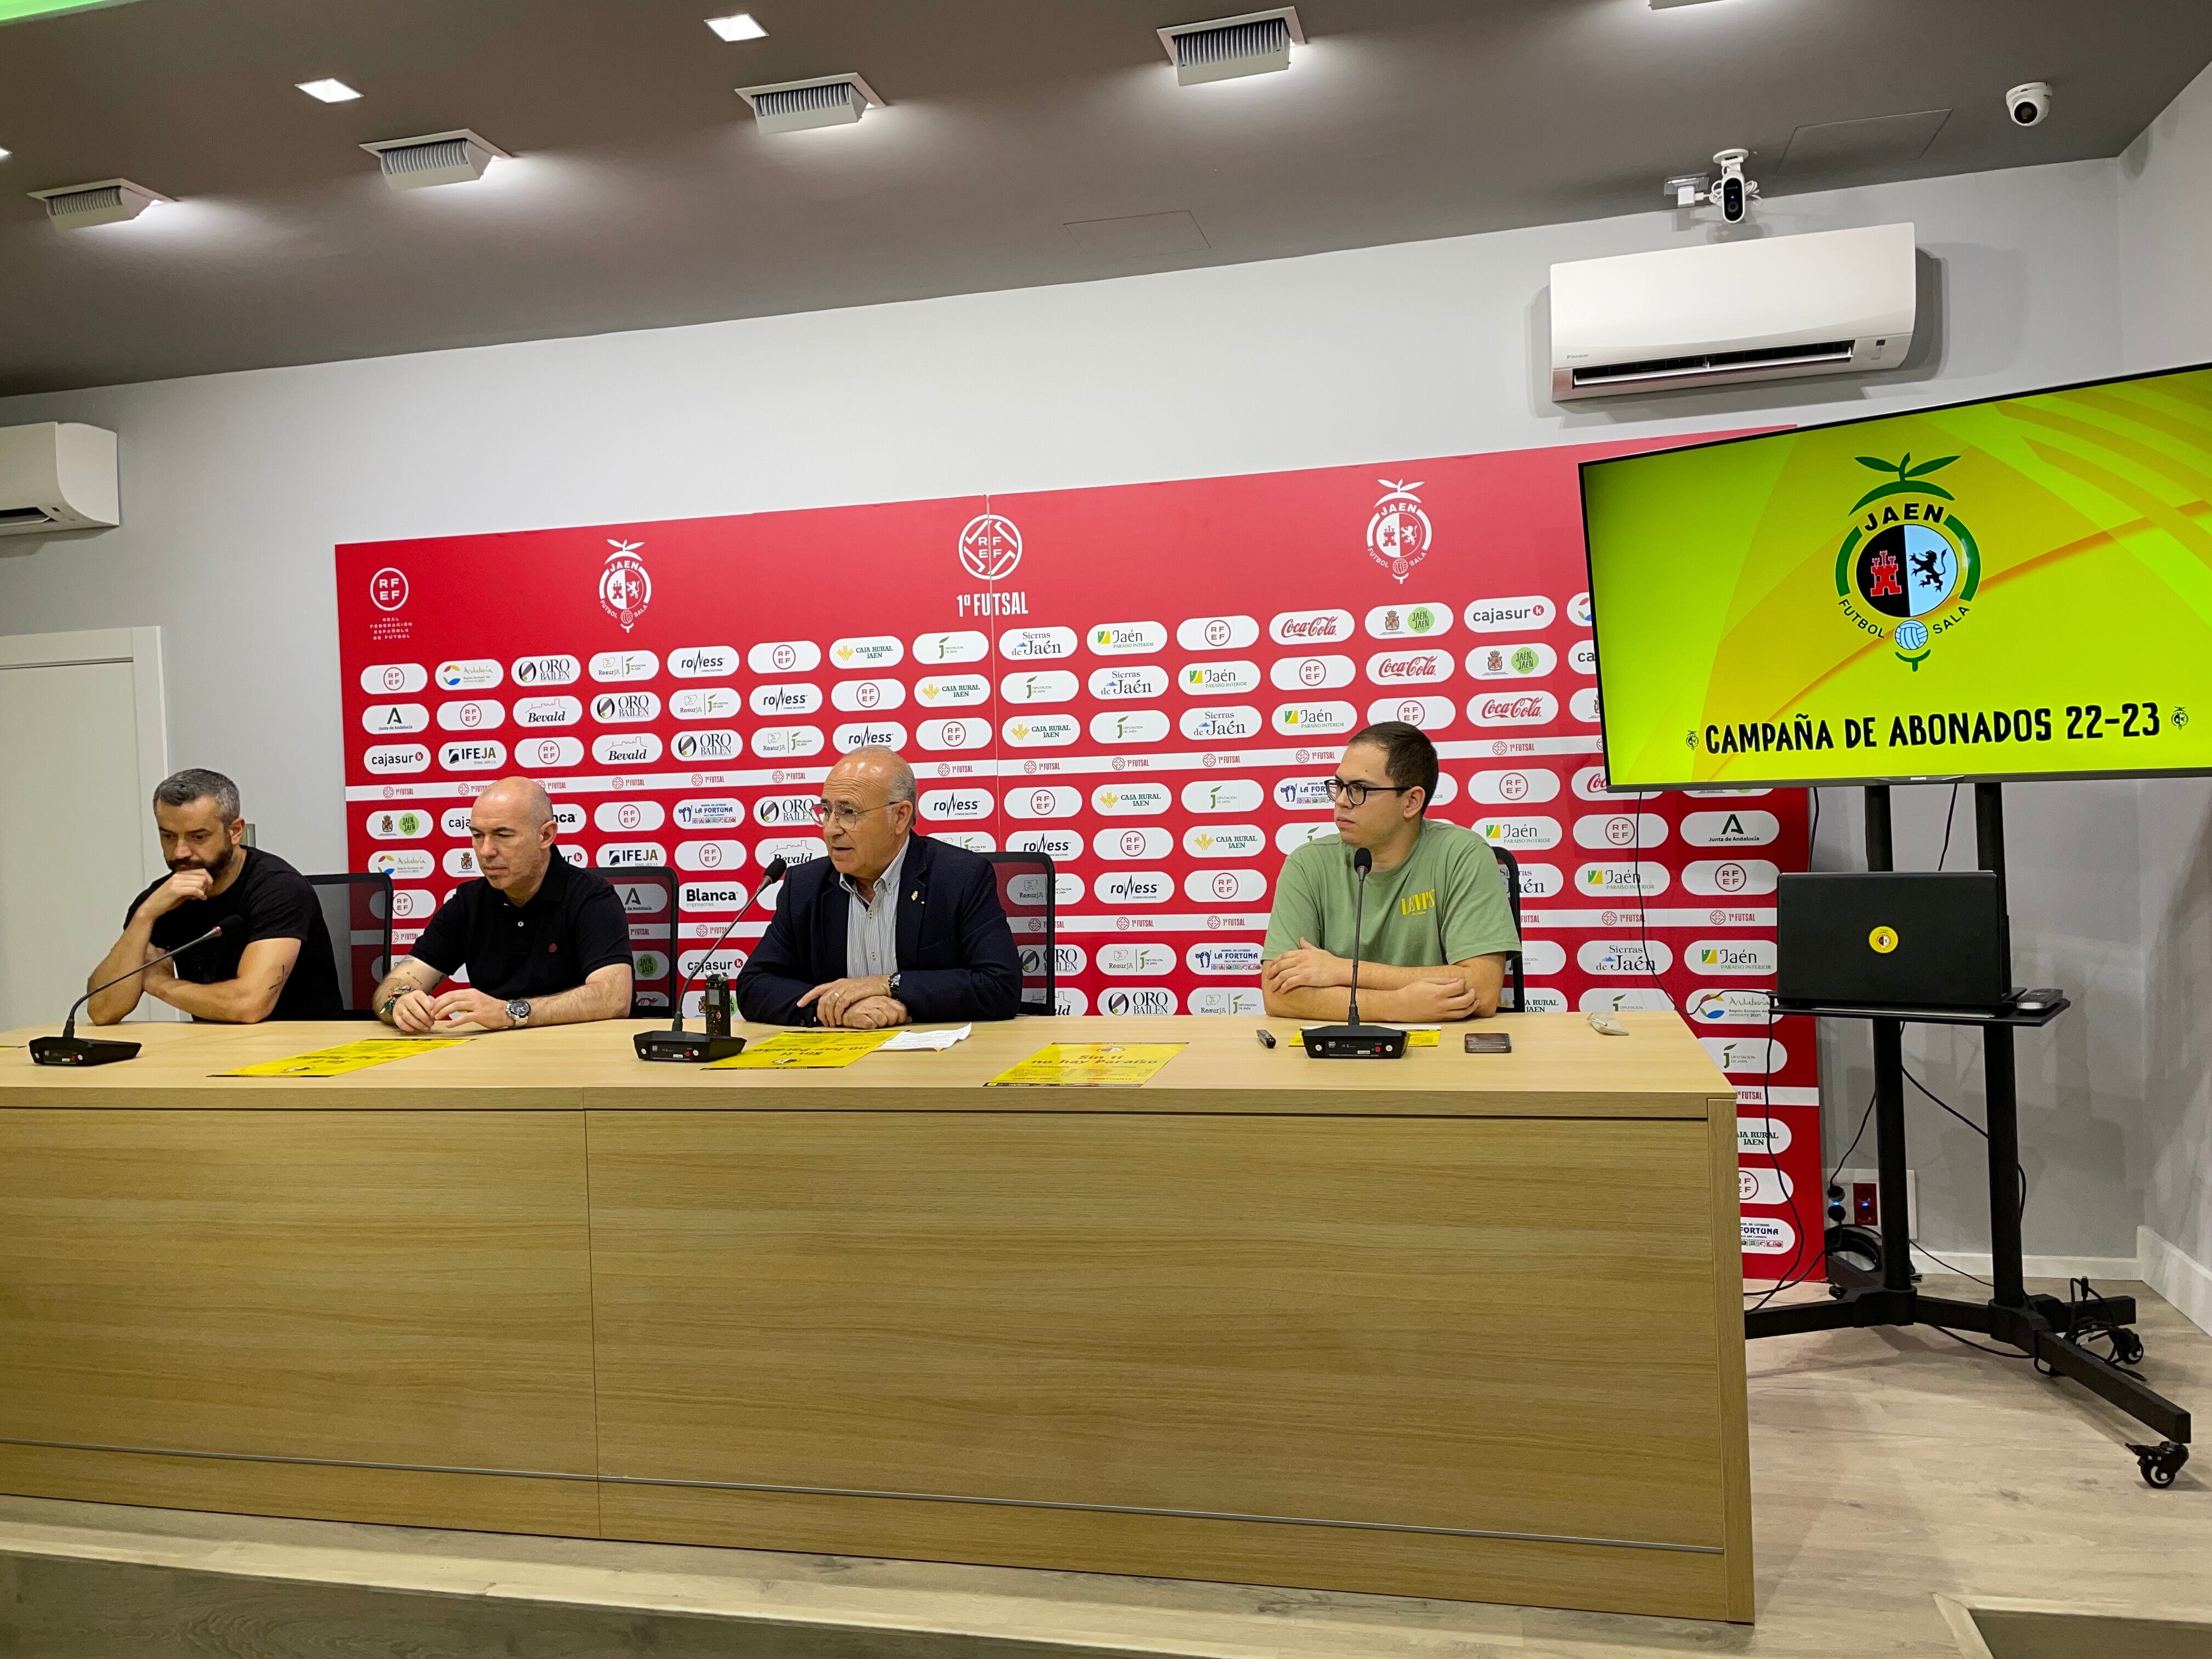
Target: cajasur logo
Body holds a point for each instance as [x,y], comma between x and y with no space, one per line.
[1909,567]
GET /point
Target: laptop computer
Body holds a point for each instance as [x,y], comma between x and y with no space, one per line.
[1918,939]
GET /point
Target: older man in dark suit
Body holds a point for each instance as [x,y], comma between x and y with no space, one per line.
[891,928]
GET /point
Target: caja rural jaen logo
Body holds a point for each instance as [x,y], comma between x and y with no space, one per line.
[1908,567]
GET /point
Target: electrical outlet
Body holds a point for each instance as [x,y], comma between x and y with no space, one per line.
[1852,1180]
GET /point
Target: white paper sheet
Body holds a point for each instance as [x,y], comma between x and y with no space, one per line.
[928,1039]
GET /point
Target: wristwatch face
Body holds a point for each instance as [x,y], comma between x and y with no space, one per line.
[519,1011]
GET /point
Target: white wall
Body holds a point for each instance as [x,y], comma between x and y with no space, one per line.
[2166,248]
[236,487]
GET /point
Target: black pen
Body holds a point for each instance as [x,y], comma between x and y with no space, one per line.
[1267,1037]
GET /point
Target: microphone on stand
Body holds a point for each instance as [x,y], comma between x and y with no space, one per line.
[70,1050]
[675,1042]
[1352,1040]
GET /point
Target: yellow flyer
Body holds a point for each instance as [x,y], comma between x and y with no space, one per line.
[1092,1065]
[811,1051]
[1416,1038]
[346,1057]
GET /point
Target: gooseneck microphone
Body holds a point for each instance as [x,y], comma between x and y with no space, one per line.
[70,1050]
[675,1042]
[1352,1040]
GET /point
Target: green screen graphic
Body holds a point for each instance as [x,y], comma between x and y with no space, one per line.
[16,11]
[2021,588]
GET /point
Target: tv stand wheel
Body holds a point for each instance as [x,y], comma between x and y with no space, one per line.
[2160,1463]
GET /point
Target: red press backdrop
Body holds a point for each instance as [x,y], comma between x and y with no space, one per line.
[1150,681]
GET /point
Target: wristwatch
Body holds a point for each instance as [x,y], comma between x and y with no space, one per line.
[892,984]
[518,1012]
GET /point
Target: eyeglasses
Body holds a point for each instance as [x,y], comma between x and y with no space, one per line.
[1353,793]
[844,816]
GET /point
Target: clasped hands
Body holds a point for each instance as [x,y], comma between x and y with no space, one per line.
[1440,996]
[462,1009]
[856,1004]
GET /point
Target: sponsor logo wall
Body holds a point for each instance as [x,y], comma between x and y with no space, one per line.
[1148,683]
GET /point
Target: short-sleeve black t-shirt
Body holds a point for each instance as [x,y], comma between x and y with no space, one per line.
[277,902]
[573,926]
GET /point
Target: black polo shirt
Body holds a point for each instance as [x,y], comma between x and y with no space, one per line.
[574,925]
[277,902]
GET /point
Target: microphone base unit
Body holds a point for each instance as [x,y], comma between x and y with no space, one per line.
[695,1048]
[80,1051]
[1361,1042]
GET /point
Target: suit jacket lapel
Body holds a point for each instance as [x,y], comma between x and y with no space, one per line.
[832,916]
[913,882]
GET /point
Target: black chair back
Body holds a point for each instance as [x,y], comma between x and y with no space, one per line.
[651,897]
[357,915]
[1510,867]
[1025,885]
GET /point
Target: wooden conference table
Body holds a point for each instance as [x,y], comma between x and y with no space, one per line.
[1458,1325]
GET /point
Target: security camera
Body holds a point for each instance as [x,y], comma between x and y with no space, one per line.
[2028,104]
[1735,193]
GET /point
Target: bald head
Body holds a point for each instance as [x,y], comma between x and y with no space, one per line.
[511,828]
[869,801]
[879,766]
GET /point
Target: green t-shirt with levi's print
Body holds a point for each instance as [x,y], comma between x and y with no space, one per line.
[1446,902]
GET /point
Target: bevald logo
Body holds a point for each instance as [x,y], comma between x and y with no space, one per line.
[1908,566]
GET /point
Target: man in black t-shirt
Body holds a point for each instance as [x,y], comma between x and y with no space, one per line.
[279,965]
[543,943]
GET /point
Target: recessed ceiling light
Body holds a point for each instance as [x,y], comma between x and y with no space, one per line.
[1228,47]
[105,202]
[737,26]
[5,154]
[795,105]
[329,92]
[458,157]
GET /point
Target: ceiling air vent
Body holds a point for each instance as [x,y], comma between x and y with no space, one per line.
[834,100]
[437,158]
[1227,47]
[106,202]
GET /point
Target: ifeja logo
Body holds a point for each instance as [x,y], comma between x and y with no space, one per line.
[1908,570]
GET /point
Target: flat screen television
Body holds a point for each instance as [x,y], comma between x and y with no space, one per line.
[2017,587]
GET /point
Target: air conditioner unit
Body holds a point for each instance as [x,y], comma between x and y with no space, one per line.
[1830,302]
[56,474]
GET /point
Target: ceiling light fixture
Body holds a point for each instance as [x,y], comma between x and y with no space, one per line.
[105,202]
[833,101]
[328,92]
[437,158]
[737,26]
[1256,43]
[5,154]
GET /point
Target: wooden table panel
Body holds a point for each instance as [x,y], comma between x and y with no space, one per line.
[388,1288]
[1506,1325]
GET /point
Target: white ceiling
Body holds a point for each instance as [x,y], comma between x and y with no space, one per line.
[1025,141]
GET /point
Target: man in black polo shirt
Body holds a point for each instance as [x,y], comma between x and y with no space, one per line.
[545,943]
[279,965]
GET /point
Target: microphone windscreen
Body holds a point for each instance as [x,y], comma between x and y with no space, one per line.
[774,873]
[229,923]
[1362,860]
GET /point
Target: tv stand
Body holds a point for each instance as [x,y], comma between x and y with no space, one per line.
[2049,1331]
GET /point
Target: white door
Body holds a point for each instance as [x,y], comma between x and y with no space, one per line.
[81,746]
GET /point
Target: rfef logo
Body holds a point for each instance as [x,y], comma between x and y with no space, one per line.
[625,589]
[1908,568]
[990,547]
[1398,534]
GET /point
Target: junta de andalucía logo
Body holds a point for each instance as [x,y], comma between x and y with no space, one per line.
[1908,566]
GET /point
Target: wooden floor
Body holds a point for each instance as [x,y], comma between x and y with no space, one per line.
[1888,1468]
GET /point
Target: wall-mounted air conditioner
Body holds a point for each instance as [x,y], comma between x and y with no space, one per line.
[1830,302]
[56,474]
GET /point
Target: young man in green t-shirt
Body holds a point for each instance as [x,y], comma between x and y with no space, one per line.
[1437,928]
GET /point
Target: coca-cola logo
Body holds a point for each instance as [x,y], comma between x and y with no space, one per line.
[1512,709]
[1419,666]
[1309,627]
